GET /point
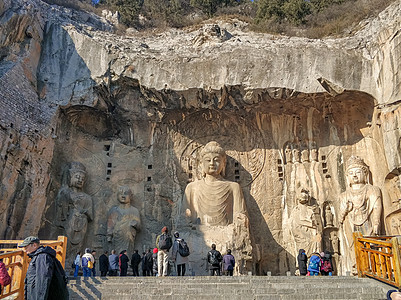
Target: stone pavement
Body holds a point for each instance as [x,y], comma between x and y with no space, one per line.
[241,287]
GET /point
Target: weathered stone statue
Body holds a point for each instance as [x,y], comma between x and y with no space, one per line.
[314,153]
[216,209]
[212,200]
[123,222]
[288,154]
[75,207]
[304,153]
[296,154]
[328,217]
[360,209]
[306,224]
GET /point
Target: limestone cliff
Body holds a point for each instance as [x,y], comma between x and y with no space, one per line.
[135,109]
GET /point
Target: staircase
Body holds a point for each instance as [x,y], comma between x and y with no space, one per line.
[233,288]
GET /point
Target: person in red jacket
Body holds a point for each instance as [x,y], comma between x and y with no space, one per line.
[5,278]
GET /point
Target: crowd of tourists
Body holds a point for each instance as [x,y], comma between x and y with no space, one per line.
[45,278]
[318,263]
[159,261]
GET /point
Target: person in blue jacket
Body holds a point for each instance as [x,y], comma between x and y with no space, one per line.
[314,264]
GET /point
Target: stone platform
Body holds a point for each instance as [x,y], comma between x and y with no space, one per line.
[242,287]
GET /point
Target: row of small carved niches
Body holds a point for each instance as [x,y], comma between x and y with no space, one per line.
[298,152]
[293,153]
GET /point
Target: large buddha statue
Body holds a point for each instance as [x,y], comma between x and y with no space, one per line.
[306,224]
[123,222]
[215,207]
[360,209]
[212,200]
[75,207]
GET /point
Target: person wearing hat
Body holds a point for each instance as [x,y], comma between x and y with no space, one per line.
[38,280]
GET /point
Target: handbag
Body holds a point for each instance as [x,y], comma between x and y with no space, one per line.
[90,264]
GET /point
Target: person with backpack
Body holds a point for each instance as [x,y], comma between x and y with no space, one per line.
[326,267]
[214,259]
[87,262]
[5,278]
[179,254]
[163,244]
[45,278]
[228,263]
[314,264]
[302,262]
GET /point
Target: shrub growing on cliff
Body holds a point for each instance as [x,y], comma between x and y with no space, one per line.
[129,10]
[210,7]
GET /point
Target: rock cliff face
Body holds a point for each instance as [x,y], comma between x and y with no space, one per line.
[136,109]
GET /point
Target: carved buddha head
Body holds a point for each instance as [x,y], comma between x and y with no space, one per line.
[124,195]
[357,171]
[303,196]
[77,173]
[213,159]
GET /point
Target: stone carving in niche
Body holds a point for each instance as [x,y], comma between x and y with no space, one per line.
[304,153]
[360,209]
[306,223]
[212,200]
[314,153]
[216,209]
[393,212]
[296,154]
[75,207]
[123,222]
[328,216]
[288,154]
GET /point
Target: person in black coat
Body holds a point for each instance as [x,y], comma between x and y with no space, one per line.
[302,262]
[149,262]
[38,280]
[214,259]
[135,260]
[104,264]
[123,261]
[144,266]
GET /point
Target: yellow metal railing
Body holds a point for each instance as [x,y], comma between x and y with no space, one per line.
[17,262]
[379,258]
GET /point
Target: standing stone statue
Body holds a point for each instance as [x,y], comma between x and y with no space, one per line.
[214,200]
[306,224]
[360,209]
[216,209]
[75,207]
[288,154]
[123,222]
[328,217]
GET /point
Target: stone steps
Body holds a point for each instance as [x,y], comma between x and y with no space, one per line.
[241,287]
